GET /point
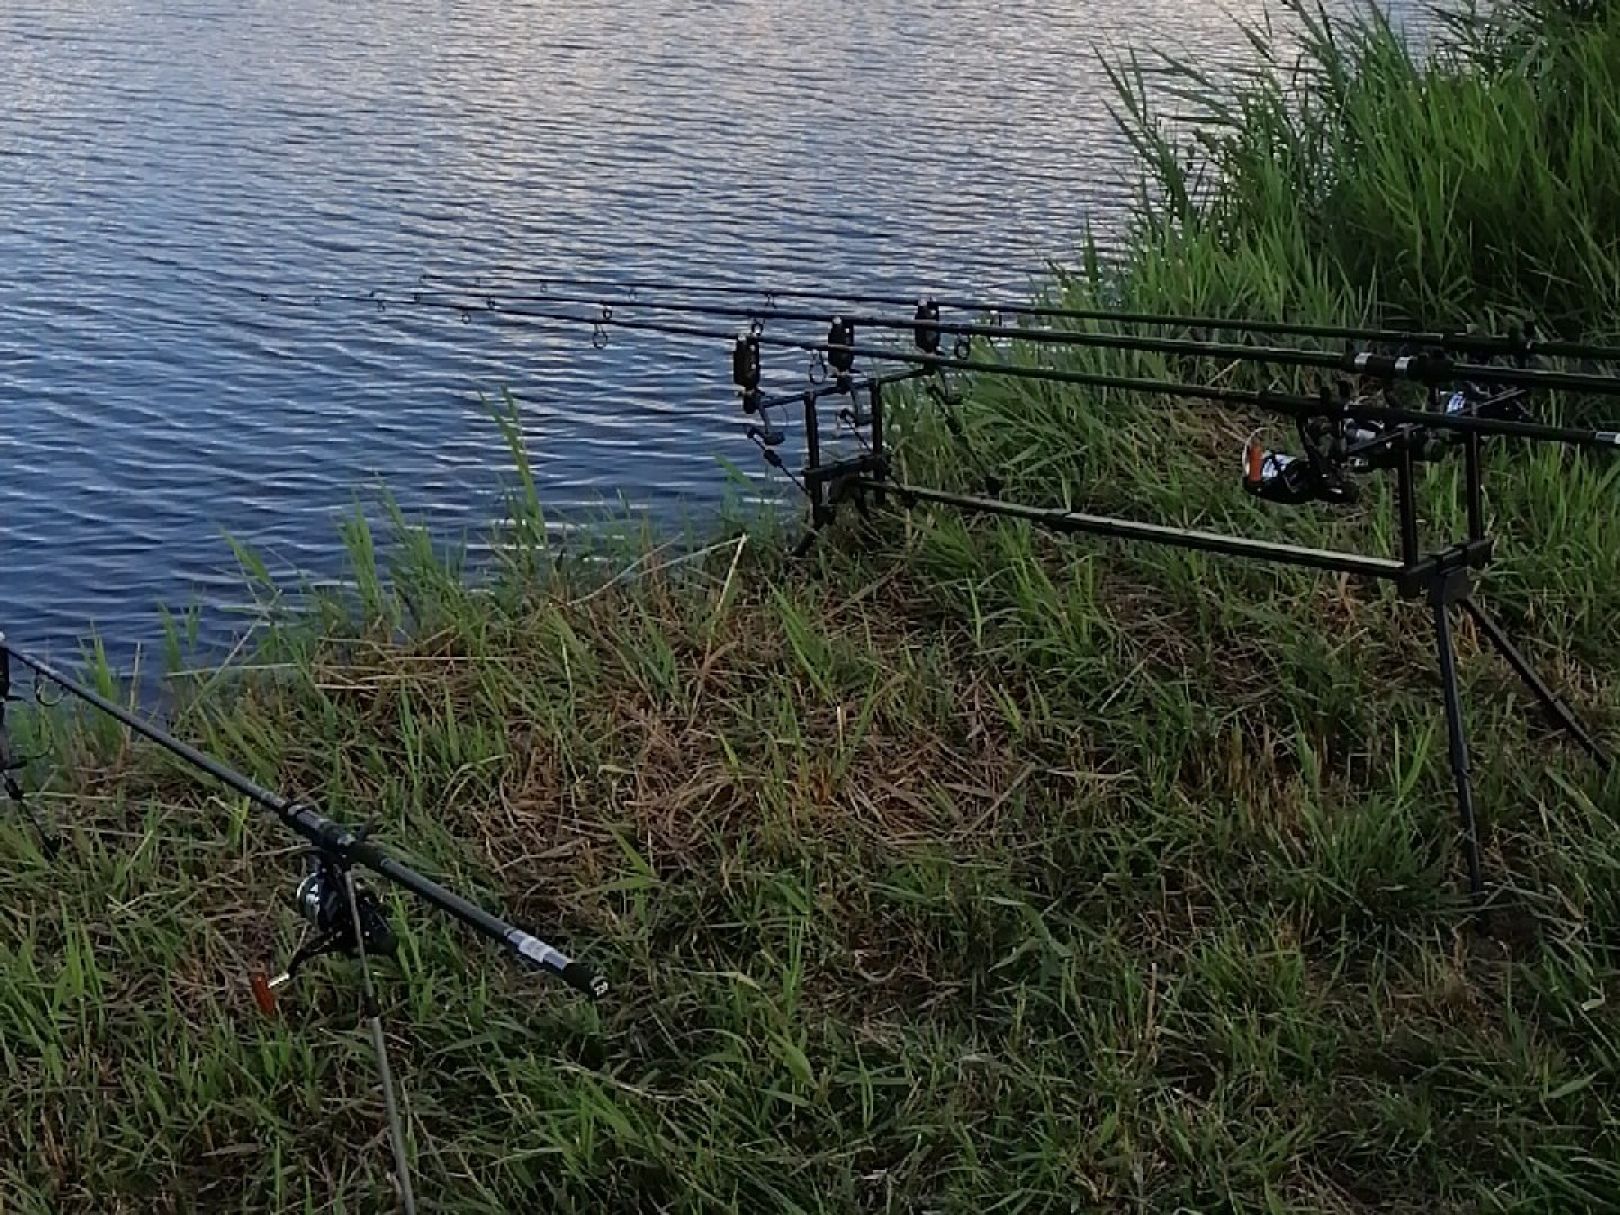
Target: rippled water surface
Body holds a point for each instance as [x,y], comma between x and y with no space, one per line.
[158,158]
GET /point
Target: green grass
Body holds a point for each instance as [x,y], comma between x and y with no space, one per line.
[956,869]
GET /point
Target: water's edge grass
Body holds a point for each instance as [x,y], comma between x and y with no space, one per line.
[957,867]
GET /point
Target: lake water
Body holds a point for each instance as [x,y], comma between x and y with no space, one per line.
[161,158]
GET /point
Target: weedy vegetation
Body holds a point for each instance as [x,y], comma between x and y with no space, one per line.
[957,868]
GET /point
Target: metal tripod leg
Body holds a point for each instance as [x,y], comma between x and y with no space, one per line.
[1560,713]
[820,513]
[396,1130]
[808,540]
[1457,735]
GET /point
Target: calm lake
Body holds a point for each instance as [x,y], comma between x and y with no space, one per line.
[160,159]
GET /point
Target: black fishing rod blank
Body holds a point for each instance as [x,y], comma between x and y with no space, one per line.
[343,844]
[1426,369]
[927,321]
[1524,343]
[1417,368]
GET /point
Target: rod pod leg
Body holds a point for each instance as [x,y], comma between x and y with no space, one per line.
[1554,705]
[396,1130]
[820,512]
[807,541]
[1457,736]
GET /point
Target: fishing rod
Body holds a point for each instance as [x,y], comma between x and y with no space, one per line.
[1422,368]
[1427,369]
[926,329]
[1523,343]
[926,325]
[344,918]
[841,350]
[345,844]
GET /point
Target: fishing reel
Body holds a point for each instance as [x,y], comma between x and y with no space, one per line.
[345,918]
[337,926]
[1363,445]
[1370,445]
[1317,476]
[1473,400]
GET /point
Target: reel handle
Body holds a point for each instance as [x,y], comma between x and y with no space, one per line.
[264,990]
[1275,476]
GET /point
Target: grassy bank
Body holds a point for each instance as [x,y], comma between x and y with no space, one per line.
[955,869]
